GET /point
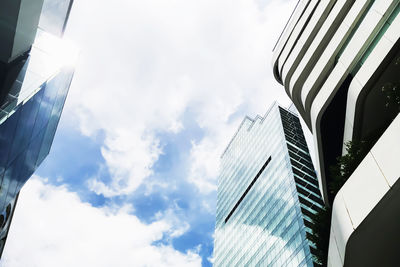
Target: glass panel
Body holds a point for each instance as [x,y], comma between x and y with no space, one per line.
[46,106]
[54,16]
[25,125]
[63,81]
[7,131]
[29,165]
[10,174]
[266,227]
[48,55]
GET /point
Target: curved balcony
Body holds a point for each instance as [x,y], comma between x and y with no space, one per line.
[365,213]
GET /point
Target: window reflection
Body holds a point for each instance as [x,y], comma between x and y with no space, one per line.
[267,227]
[54,16]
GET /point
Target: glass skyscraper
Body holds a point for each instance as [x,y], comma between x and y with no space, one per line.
[267,193]
[35,74]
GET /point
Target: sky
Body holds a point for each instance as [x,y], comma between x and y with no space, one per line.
[159,90]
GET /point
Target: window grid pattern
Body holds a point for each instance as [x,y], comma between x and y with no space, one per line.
[267,227]
[308,192]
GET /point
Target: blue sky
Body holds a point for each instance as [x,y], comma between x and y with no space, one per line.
[160,88]
[179,195]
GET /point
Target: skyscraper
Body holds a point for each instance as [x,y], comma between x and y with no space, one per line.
[267,194]
[35,75]
[339,62]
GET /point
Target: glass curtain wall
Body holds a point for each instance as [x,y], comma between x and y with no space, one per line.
[260,220]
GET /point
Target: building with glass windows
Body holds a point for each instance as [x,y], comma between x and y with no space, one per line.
[36,69]
[339,62]
[267,194]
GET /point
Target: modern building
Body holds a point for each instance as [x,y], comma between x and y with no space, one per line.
[35,74]
[267,194]
[339,62]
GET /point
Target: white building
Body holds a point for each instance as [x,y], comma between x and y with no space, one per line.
[339,62]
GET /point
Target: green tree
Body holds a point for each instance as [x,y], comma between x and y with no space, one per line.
[321,227]
[339,173]
[346,164]
[392,95]
[391,89]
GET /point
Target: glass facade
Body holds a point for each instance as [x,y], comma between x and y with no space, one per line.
[26,75]
[55,15]
[267,191]
[33,89]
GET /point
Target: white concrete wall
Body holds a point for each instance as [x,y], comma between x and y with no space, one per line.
[312,93]
[295,57]
[362,77]
[302,5]
[369,183]
[316,80]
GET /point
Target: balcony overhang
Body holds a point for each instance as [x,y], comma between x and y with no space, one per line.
[365,213]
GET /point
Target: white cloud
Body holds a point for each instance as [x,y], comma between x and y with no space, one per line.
[205,156]
[52,227]
[251,84]
[129,159]
[144,63]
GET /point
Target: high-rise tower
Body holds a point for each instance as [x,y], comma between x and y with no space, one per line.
[35,75]
[267,194]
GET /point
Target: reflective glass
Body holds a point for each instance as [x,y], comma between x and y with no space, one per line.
[26,134]
[10,174]
[7,130]
[25,125]
[47,57]
[32,153]
[54,16]
[266,227]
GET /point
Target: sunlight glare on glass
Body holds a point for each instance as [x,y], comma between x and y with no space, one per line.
[63,52]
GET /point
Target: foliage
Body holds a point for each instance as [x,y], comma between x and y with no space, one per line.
[321,228]
[392,90]
[392,93]
[340,172]
[346,164]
